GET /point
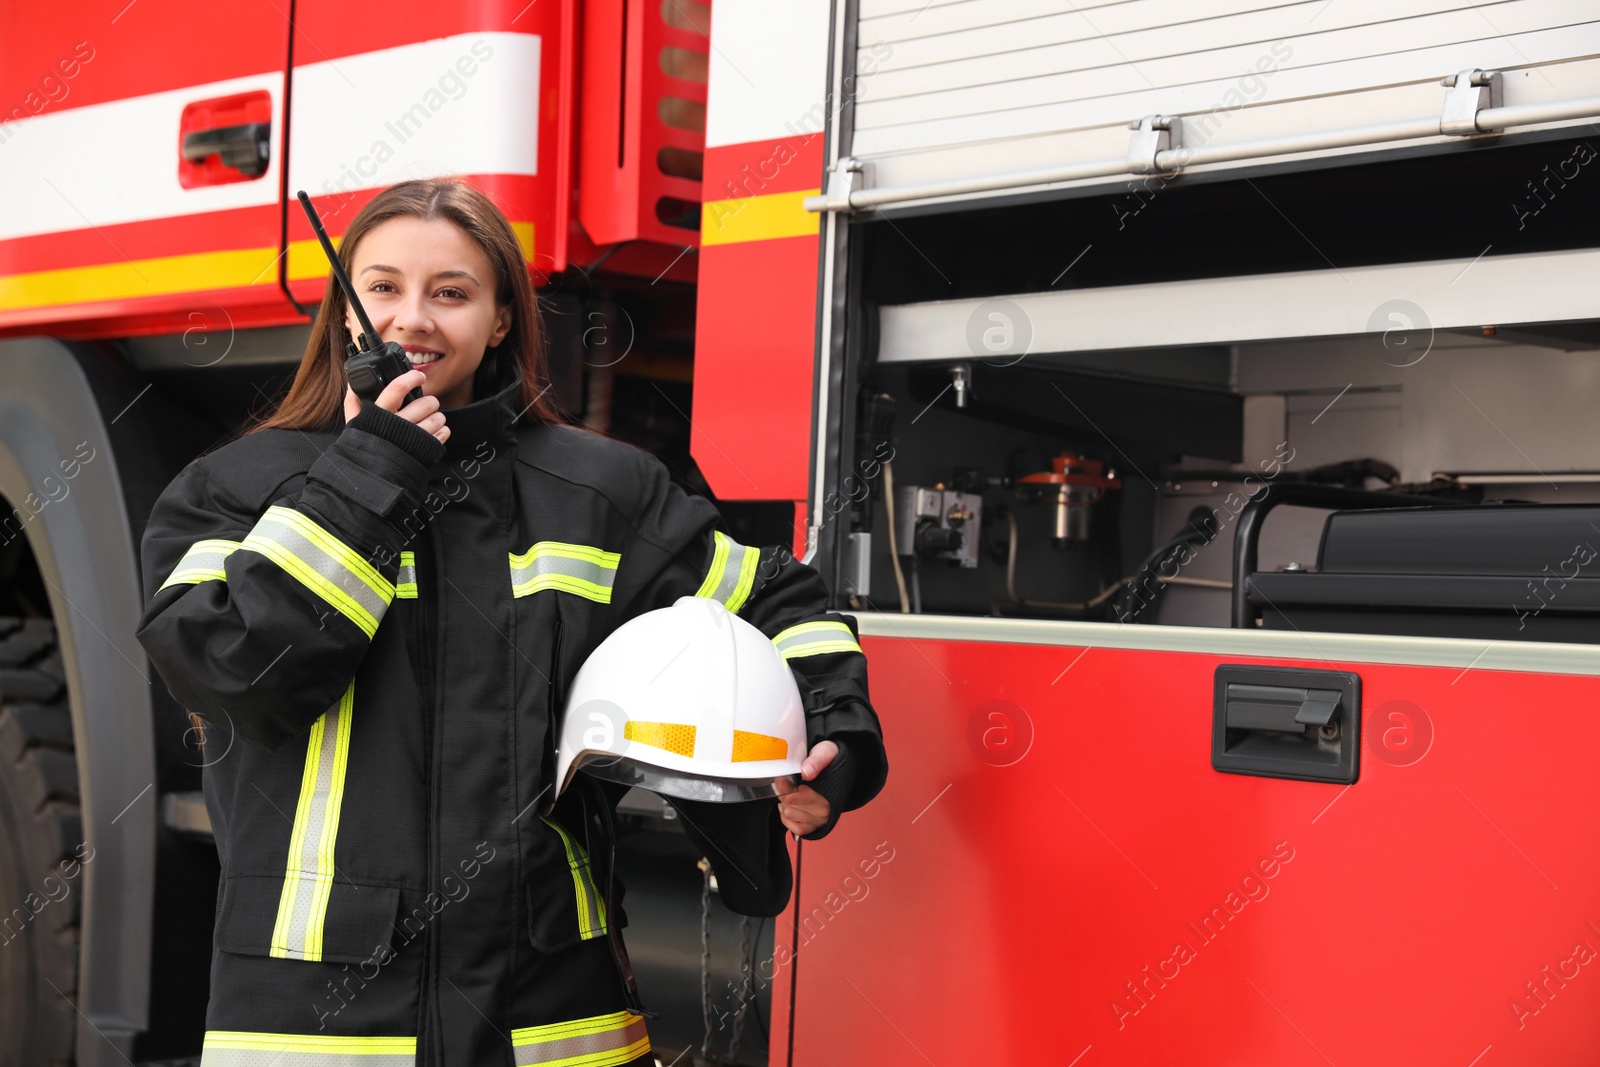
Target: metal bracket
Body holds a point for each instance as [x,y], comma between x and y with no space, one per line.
[844,177]
[186,813]
[1471,91]
[961,378]
[1152,134]
[858,564]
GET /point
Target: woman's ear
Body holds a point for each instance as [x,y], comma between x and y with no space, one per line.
[502,326]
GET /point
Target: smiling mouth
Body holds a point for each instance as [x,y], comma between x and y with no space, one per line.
[422,359]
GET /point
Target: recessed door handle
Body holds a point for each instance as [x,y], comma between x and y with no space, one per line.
[1318,708]
[1286,722]
[1289,709]
[246,147]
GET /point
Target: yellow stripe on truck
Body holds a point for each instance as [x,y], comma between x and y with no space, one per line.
[758,218]
[128,279]
[307,261]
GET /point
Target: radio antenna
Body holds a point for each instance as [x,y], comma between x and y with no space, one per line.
[369,336]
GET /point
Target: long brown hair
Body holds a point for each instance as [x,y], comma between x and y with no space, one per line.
[315,400]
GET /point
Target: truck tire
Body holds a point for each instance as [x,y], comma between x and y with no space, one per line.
[41,850]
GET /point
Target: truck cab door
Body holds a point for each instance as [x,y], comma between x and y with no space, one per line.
[140,166]
[477,93]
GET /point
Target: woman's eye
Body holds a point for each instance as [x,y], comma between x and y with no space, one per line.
[373,288]
[452,294]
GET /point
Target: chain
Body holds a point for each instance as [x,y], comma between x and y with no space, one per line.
[746,955]
[705,956]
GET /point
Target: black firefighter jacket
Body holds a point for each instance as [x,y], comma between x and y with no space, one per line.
[379,630]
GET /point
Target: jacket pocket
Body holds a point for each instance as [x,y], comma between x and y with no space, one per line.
[565,904]
[357,926]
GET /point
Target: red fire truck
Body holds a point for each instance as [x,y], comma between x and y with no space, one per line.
[1190,400]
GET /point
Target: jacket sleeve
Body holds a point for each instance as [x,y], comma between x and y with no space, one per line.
[785,599]
[259,621]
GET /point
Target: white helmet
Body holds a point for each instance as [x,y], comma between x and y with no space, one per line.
[690,701]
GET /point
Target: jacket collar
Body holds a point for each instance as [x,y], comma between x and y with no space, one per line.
[488,418]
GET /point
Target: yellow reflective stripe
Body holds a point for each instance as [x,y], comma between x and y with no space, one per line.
[759,218]
[732,590]
[562,548]
[334,803]
[566,584]
[814,639]
[747,579]
[719,563]
[591,909]
[238,1048]
[306,259]
[202,562]
[308,878]
[597,1041]
[132,279]
[324,564]
[405,586]
[291,882]
[584,570]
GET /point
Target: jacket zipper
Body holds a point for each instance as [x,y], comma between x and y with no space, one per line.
[428,592]
[555,677]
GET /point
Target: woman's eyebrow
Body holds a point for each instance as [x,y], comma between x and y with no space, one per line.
[441,274]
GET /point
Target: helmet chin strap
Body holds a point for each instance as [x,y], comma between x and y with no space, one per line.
[590,793]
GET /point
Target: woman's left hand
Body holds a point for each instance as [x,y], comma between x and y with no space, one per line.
[803,809]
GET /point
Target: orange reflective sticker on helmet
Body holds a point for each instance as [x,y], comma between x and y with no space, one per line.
[749,746]
[672,736]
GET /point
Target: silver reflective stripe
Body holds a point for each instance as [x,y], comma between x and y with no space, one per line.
[732,573]
[581,569]
[231,1057]
[202,562]
[814,639]
[303,904]
[324,564]
[233,1048]
[598,1041]
[405,586]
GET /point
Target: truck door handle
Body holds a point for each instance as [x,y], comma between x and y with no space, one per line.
[244,147]
[1277,707]
[1284,722]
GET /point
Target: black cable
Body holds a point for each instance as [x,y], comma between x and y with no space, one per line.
[794,960]
[607,254]
[766,1039]
[1127,612]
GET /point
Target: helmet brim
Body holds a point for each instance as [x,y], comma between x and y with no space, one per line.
[683,786]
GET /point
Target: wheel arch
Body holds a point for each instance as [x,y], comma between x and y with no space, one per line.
[79,532]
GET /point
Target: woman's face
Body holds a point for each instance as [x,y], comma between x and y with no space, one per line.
[428,287]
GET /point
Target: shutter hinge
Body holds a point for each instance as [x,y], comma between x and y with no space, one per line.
[1152,134]
[1471,91]
[844,177]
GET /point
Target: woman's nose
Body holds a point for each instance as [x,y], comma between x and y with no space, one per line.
[412,316]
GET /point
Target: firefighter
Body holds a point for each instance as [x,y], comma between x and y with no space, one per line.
[377,609]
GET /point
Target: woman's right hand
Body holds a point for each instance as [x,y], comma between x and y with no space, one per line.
[423,411]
